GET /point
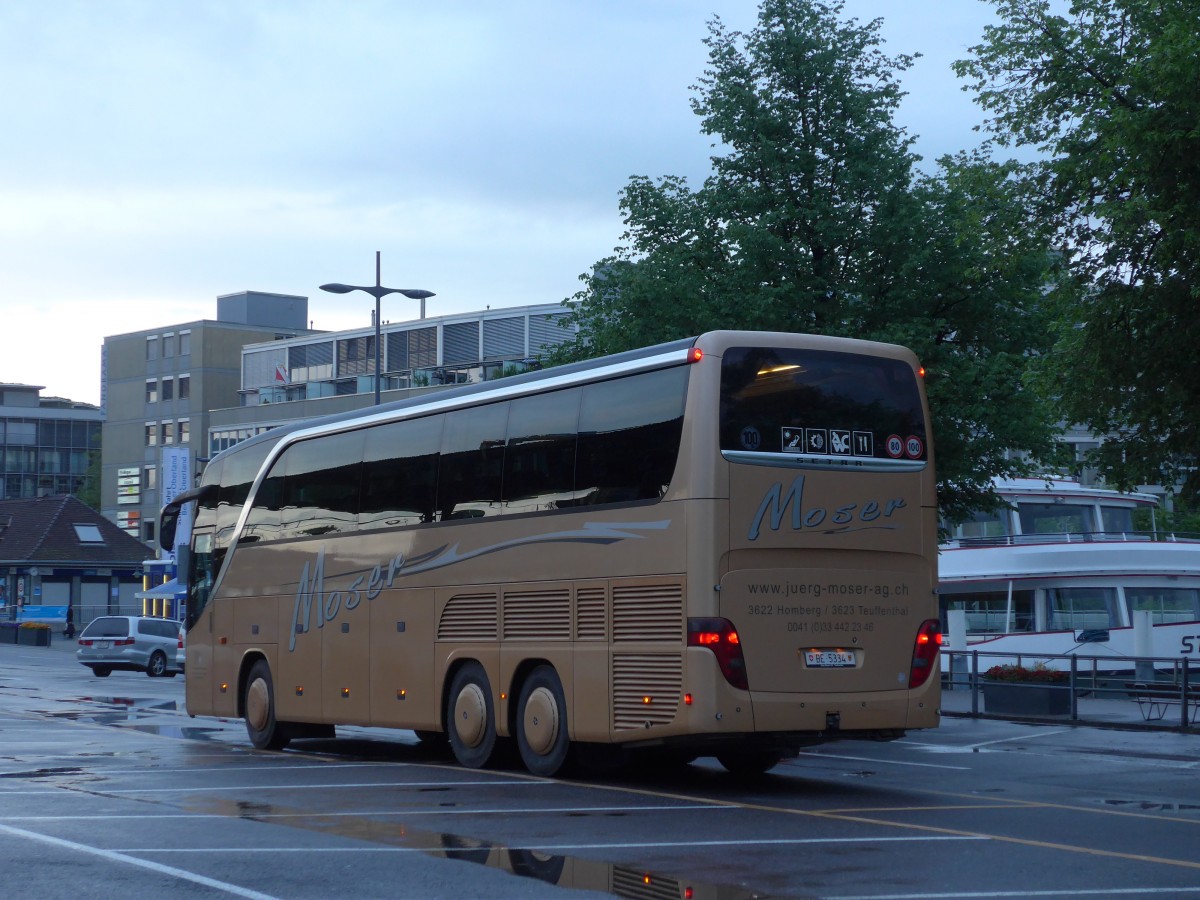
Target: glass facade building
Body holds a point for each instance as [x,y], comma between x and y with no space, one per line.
[45,443]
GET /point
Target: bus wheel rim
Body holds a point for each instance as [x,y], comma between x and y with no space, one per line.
[258,704]
[470,715]
[541,721]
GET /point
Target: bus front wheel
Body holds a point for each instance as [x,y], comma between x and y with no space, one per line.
[542,723]
[470,719]
[266,733]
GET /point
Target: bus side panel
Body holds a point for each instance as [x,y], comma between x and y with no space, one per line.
[345,645]
[298,674]
[402,661]
[226,658]
[591,708]
[198,674]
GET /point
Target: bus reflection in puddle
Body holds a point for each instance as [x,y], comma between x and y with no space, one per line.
[558,870]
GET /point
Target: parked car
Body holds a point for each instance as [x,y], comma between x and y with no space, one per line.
[132,644]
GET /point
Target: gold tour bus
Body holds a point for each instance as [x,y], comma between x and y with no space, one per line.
[720,546]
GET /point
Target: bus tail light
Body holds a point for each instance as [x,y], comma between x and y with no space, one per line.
[695,355]
[925,651]
[719,636]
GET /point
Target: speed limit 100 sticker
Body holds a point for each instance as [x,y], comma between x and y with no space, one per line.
[914,447]
[895,446]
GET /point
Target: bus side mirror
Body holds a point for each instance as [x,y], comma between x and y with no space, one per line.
[168,522]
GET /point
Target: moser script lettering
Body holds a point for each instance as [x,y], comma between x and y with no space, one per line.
[316,607]
[844,517]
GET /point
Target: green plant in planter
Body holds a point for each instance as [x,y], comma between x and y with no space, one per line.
[1037,674]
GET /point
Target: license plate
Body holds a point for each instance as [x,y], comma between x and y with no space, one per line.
[103,645]
[828,659]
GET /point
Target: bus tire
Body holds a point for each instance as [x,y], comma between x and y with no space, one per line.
[266,732]
[749,763]
[470,717]
[542,723]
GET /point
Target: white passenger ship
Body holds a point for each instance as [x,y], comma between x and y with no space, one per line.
[1063,572]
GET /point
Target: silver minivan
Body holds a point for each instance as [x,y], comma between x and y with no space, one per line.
[130,643]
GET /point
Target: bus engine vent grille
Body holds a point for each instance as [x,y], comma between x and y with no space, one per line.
[591,621]
[538,615]
[646,689]
[468,617]
[648,613]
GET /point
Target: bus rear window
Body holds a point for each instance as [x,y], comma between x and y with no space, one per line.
[820,403]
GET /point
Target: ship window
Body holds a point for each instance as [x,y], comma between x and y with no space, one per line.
[992,524]
[1166,605]
[1055,518]
[1078,609]
[988,612]
[1116,519]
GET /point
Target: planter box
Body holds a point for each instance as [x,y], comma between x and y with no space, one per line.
[8,634]
[37,637]
[1016,699]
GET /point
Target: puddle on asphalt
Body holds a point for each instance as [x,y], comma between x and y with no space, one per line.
[552,868]
[44,773]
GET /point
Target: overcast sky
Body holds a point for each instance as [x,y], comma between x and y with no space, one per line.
[159,154]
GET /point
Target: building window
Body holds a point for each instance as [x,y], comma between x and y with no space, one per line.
[185,343]
[88,533]
[149,478]
[185,431]
[168,344]
[168,389]
[185,387]
[152,347]
[151,391]
[151,434]
[168,433]
[148,532]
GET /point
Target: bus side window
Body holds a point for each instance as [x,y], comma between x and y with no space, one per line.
[321,485]
[539,459]
[472,460]
[629,432]
[400,473]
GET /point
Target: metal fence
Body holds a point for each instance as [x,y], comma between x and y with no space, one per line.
[1153,692]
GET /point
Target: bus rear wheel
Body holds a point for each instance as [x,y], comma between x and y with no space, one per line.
[542,723]
[266,732]
[470,718]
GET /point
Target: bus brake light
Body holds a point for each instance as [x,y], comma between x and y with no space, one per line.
[925,650]
[719,636]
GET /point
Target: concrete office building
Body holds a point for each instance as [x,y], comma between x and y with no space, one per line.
[158,386]
[44,443]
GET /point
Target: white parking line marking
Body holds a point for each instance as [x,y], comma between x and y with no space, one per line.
[499,811]
[621,845]
[118,856]
[882,762]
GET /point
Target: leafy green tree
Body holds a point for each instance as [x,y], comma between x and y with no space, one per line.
[1107,92]
[815,219]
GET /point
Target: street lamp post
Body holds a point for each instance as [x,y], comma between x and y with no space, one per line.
[378,291]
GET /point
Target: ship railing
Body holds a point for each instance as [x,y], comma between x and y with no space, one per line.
[1072,537]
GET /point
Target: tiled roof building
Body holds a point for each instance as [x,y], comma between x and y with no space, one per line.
[57,551]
